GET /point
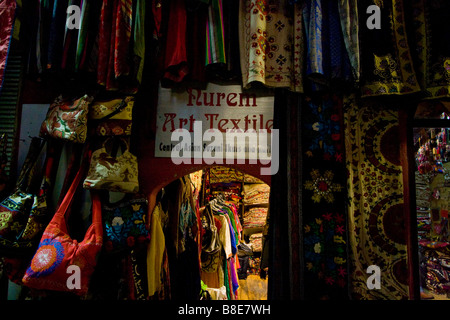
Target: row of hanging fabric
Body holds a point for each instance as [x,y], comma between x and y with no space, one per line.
[243,39]
[192,252]
[221,237]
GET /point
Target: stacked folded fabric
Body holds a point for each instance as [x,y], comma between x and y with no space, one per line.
[256,242]
[251,179]
[257,193]
[255,217]
[224,174]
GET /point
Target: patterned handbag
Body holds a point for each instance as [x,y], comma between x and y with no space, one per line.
[58,254]
[113,117]
[113,172]
[24,214]
[67,119]
[124,223]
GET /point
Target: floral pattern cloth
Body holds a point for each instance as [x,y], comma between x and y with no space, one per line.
[271,42]
[125,223]
[324,215]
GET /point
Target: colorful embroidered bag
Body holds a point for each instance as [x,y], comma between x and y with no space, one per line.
[124,222]
[113,172]
[67,119]
[112,117]
[24,214]
[58,255]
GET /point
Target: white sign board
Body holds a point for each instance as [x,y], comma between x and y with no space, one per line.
[223,111]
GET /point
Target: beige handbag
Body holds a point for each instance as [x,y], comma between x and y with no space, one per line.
[112,172]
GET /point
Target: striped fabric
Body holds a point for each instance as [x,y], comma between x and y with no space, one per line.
[215,35]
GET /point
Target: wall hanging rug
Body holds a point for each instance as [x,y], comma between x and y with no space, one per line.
[324,207]
[57,251]
[376,218]
[386,62]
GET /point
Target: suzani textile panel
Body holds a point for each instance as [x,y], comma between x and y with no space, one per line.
[375,191]
[324,200]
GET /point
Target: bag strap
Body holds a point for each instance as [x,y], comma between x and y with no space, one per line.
[66,203]
[120,106]
[72,169]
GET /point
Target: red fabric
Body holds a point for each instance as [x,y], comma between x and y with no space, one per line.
[7,11]
[176,57]
[58,251]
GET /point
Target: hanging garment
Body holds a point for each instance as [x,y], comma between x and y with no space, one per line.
[327,59]
[56,38]
[386,61]
[348,10]
[139,38]
[7,12]
[175,62]
[268,32]
[71,36]
[114,37]
[197,13]
[376,215]
[215,38]
[155,252]
[104,38]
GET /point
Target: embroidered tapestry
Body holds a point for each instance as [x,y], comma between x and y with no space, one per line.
[268,32]
[375,213]
[324,207]
[386,62]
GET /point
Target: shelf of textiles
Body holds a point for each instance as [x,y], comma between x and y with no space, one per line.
[433,150]
[222,180]
[256,206]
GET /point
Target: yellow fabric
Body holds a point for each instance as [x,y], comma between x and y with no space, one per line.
[155,252]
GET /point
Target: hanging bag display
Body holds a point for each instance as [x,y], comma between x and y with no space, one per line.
[58,255]
[124,223]
[67,119]
[24,214]
[112,172]
[113,117]
[211,246]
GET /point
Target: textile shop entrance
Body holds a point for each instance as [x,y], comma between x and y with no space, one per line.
[210,225]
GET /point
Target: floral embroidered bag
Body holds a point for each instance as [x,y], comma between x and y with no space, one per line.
[124,223]
[67,119]
[113,117]
[112,172]
[58,255]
